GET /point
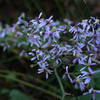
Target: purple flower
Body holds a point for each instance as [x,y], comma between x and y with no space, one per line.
[81,59]
[90,72]
[66,75]
[79,83]
[87,75]
[2,34]
[68,21]
[47,71]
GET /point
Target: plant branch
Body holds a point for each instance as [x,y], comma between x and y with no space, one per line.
[33,86]
[60,84]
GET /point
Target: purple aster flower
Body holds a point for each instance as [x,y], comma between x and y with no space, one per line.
[80,59]
[66,75]
[87,75]
[73,29]
[2,34]
[90,72]
[47,71]
[68,21]
[40,15]
[49,20]
[79,83]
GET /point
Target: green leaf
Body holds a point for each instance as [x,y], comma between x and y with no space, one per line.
[10,76]
[97,96]
[4,91]
[84,97]
[18,95]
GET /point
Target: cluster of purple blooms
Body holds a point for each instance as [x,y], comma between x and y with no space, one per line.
[48,50]
[83,81]
[14,36]
[86,40]
[50,44]
[44,35]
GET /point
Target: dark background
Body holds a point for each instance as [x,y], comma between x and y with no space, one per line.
[73,9]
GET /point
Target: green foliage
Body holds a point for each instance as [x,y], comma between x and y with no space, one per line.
[15,94]
[10,76]
[18,95]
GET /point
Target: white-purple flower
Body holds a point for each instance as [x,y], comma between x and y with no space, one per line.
[87,75]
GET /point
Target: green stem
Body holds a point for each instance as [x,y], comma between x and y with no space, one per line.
[32,86]
[60,84]
[30,77]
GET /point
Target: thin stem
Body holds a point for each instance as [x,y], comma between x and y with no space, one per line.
[32,86]
[30,77]
[60,84]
